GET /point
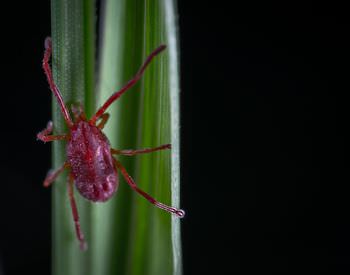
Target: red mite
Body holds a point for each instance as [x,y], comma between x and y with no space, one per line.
[92,167]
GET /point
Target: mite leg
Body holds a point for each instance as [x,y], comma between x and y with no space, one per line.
[79,233]
[178,212]
[45,136]
[140,151]
[128,85]
[53,87]
[104,118]
[53,174]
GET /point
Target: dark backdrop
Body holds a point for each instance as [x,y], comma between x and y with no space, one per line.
[263,136]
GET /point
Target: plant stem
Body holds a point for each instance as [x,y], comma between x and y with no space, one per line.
[146,240]
[126,235]
[73,68]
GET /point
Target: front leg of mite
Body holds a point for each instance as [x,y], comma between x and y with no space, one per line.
[45,136]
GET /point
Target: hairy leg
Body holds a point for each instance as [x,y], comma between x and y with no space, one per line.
[128,85]
[45,136]
[53,87]
[178,212]
[79,233]
[140,151]
[53,174]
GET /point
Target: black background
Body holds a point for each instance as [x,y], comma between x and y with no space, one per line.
[264,109]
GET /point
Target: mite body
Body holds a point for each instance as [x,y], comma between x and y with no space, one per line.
[92,167]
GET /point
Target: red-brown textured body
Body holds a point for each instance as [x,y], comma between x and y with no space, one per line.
[91,162]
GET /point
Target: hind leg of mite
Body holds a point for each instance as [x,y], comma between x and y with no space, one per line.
[52,175]
[78,231]
[178,212]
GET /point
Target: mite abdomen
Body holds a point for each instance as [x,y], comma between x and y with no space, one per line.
[92,164]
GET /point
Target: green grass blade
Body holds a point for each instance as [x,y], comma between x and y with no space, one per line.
[126,235]
[73,36]
[171,25]
[134,236]
[120,59]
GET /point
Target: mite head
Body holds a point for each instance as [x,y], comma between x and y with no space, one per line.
[78,112]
